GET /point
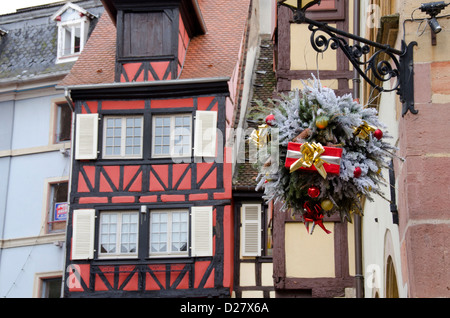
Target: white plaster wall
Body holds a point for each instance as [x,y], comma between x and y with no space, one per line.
[26,191]
[378,228]
[6,121]
[266,20]
[19,266]
[377,221]
[23,176]
[31,122]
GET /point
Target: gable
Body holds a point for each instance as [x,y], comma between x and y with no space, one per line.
[214,54]
[71,11]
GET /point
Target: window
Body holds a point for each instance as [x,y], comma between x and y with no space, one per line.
[73,25]
[51,287]
[47,284]
[60,122]
[72,36]
[58,207]
[64,122]
[251,230]
[324,5]
[118,234]
[169,233]
[123,137]
[70,39]
[331,10]
[147,34]
[256,230]
[172,136]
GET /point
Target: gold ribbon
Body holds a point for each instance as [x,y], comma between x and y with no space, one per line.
[364,130]
[311,153]
[260,136]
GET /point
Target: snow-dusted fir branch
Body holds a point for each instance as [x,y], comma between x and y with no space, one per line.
[317,114]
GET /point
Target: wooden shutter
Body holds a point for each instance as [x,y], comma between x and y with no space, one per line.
[202,231]
[83,234]
[86,139]
[251,230]
[147,34]
[205,134]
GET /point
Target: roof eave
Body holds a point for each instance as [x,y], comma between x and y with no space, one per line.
[112,12]
[154,89]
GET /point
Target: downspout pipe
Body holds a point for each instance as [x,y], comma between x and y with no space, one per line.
[72,108]
[359,276]
[69,99]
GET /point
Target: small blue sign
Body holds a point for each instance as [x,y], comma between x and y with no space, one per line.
[61,210]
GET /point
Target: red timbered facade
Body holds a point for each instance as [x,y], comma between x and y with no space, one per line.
[151,210]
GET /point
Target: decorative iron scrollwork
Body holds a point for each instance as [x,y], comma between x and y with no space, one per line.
[385,64]
[378,64]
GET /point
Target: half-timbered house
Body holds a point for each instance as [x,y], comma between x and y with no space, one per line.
[155,95]
[253,254]
[317,265]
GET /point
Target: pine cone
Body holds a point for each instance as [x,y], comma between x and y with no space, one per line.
[268,163]
[303,135]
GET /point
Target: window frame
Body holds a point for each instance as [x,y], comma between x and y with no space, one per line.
[328,11]
[118,254]
[90,136]
[52,202]
[172,136]
[169,232]
[131,33]
[83,24]
[87,233]
[47,206]
[41,280]
[123,137]
[56,122]
[59,122]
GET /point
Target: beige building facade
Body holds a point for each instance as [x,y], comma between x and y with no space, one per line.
[400,249]
[406,240]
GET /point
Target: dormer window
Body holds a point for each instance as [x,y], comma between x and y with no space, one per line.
[69,39]
[73,26]
[147,34]
[153,37]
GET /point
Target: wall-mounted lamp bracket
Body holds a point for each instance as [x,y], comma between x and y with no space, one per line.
[385,64]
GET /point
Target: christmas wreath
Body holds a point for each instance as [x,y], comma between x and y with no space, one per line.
[319,153]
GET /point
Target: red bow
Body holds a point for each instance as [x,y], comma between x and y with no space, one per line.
[313,214]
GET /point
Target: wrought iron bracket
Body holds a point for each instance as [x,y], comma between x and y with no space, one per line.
[385,64]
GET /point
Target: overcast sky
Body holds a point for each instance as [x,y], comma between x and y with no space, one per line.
[9,6]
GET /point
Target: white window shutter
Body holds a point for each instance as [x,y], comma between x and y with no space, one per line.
[83,234]
[205,141]
[86,139]
[251,230]
[202,231]
[60,40]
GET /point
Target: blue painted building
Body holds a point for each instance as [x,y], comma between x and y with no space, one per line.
[38,47]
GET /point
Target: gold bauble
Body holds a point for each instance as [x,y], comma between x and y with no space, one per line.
[322,122]
[327,205]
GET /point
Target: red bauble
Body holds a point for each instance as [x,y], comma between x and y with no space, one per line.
[378,134]
[270,120]
[313,192]
[357,172]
